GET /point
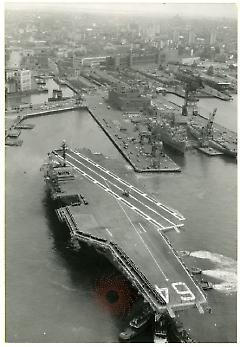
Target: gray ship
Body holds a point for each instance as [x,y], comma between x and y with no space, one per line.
[173,136]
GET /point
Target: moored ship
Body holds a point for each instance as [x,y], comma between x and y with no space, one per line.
[216,141]
[173,136]
[82,191]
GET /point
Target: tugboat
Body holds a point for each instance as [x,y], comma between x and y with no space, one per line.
[206,285]
[137,324]
[160,333]
[196,271]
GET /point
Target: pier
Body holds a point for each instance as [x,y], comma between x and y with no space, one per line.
[162,78]
[41,110]
[121,133]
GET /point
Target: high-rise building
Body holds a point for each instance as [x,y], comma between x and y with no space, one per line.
[176,36]
[18,80]
[24,80]
[191,37]
[213,37]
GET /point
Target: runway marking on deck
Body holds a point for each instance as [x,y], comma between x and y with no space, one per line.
[109,232]
[142,227]
[148,207]
[166,208]
[183,267]
[129,219]
[154,222]
[177,230]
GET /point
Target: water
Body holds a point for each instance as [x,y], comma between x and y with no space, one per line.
[13,100]
[50,288]
[226,110]
[39,98]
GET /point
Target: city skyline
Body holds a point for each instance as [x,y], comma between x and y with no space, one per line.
[214,10]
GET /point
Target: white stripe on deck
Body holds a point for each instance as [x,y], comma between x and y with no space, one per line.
[109,232]
[166,208]
[105,179]
[142,227]
[152,221]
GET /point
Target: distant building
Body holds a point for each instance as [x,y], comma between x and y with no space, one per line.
[77,62]
[176,36]
[128,99]
[53,67]
[24,80]
[190,60]
[168,56]
[43,60]
[91,61]
[18,80]
[191,37]
[213,37]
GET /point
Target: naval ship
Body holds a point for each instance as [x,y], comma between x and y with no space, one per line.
[102,210]
[173,136]
[217,140]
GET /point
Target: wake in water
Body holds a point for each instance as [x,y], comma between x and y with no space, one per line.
[225,271]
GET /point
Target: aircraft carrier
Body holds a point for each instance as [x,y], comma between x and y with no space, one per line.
[126,225]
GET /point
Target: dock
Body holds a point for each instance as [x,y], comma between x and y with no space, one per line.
[131,234]
[125,138]
[14,129]
[24,126]
[13,142]
[209,151]
[14,133]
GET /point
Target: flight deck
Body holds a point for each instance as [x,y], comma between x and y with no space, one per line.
[130,228]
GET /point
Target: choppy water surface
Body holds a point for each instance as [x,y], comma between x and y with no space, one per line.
[50,286]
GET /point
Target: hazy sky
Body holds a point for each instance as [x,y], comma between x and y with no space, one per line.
[147,8]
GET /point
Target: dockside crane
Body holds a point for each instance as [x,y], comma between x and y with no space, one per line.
[207,131]
[192,84]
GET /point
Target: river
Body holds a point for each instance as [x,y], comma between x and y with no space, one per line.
[50,285]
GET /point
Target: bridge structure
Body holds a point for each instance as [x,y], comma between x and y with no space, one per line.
[128,228]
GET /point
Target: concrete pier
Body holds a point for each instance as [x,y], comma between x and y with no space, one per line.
[107,118]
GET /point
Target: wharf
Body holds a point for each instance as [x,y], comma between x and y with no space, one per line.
[24,126]
[13,142]
[66,83]
[209,151]
[14,133]
[153,73]
[40,110]
[131,234]
[226,136]
[121,132]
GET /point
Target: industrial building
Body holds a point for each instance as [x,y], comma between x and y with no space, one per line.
[18,80]
[128,99]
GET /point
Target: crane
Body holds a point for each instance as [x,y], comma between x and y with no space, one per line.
[192,84]
[207,130]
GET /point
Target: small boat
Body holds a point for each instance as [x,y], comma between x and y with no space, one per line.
[196,271]
[160,334]
[206,285]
